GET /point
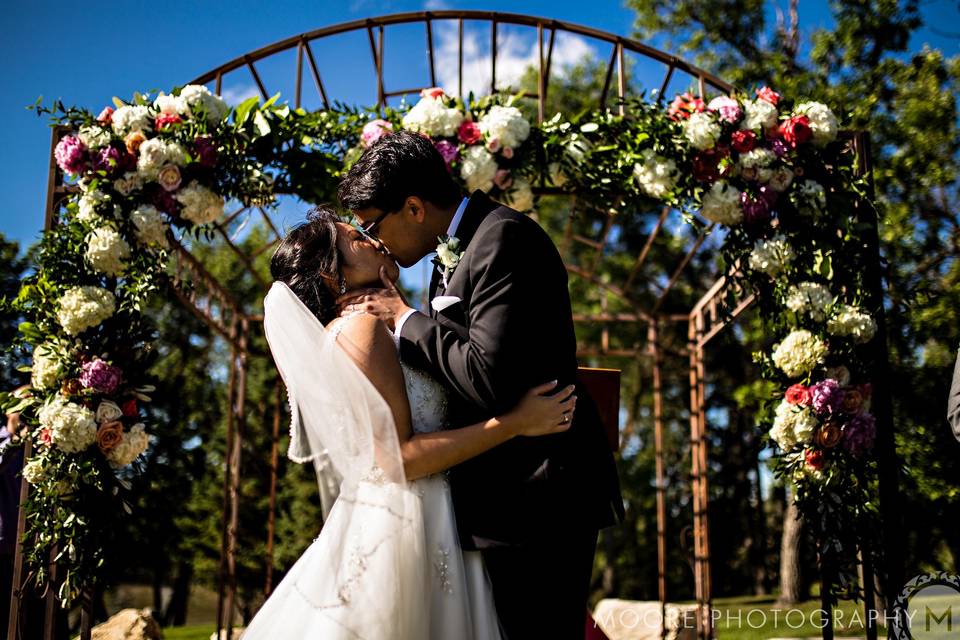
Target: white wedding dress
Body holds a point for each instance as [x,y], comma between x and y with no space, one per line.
[387,564]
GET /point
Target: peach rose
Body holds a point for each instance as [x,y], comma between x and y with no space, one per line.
[828,435]
[109,435]
[133,141]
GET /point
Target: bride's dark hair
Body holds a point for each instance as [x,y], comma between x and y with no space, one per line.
[308,261]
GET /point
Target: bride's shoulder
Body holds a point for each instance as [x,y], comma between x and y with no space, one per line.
[364,331]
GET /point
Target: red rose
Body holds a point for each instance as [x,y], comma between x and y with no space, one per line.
[469,132]
[743,140]
[166,119]
[813,458]
[129,408]
[769,95]
[796,130]
[106,116]
[798,394]
[706,165]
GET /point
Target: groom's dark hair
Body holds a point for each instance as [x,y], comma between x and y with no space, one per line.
[395,167]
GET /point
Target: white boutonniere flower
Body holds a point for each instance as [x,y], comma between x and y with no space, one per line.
[448,257]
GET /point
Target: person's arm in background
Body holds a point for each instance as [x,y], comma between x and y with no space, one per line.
[953,403]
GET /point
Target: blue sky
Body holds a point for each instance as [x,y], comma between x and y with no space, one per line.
[85,53]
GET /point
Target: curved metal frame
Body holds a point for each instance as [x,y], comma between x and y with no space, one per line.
[211,301]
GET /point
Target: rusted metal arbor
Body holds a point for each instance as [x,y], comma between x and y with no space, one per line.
[643,294]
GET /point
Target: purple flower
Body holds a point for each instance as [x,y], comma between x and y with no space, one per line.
[108,159]
[768,195]
[165,201]
[71,155]
[100,376]
[755,210]
[858,434]
[206,151]
[779,147]
[827,396]
[448,150]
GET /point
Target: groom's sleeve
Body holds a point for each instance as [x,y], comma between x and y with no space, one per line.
[491,367]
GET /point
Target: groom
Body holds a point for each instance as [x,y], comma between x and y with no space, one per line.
[500,323]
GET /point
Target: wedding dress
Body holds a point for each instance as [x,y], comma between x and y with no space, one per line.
[387,564]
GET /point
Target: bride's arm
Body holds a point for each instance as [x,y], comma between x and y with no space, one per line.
[368,343]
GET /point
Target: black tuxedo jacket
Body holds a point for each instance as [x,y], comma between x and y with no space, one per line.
[512,330]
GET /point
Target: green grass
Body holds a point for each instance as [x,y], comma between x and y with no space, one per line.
[190,632]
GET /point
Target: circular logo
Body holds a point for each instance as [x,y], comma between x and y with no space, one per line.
[928,608]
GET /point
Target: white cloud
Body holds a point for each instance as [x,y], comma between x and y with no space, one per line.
[236,94]
[515,53]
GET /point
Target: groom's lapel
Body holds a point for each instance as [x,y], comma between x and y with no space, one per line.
[478,206]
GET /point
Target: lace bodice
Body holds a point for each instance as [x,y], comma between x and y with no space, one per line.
[427,397]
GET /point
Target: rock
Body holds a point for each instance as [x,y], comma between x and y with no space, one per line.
[129,624]
[633,620]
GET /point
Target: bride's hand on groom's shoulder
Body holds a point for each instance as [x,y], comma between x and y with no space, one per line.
[387,303]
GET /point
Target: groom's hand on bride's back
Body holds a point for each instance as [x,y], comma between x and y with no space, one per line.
[387,303]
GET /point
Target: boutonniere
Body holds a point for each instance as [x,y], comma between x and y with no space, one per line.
[448,257]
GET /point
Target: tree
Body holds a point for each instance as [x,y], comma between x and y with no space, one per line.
[12,268]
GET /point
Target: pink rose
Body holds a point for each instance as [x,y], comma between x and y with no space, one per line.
[469,132]
[507,152]
[106,116]
[503,179]
[433,92]
[796,131]
[100,376]
[727,107]
[813,458]
[46,436]
[768,95]
[374,130]
[169,177]
[166,119]
[493,145]
[683,106]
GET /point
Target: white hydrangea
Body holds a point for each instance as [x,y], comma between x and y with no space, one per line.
[810,194]
[505,124]
[811,299]
[657,175]
[793,425]
[852,322]
[94,136]
[134,443]
[46,366]
[702,130]
[130,182]
[771,256]
[722,204]
[151,229]
[171,104]
[520,195]
[477,168]
[215,107]
[83,307]
[92,203]
[73,427]
[823,123]
[107,251]
[155,153]
[799,353]
[131,117]
[758,114]
[432,117]
[758,160]
[200,205]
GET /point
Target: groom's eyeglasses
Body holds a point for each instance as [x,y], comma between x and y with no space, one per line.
[369,229]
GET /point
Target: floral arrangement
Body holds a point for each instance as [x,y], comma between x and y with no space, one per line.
[777,177]
[482,141]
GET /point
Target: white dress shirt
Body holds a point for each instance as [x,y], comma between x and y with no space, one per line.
[451,231]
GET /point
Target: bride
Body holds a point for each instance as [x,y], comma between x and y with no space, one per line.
[387,563]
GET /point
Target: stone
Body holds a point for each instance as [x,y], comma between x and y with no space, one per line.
[129,624]
[635,620]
